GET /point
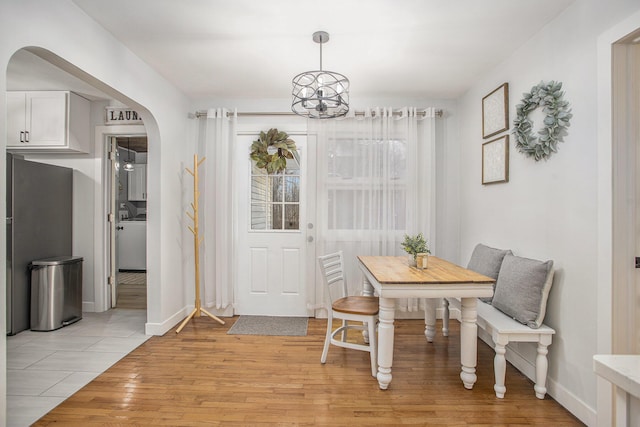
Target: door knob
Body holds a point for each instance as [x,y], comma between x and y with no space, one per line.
[310,239]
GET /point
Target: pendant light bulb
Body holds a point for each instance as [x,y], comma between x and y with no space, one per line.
[128,165]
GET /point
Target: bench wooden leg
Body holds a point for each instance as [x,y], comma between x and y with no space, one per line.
[500,366]
[445,317]
[542,365]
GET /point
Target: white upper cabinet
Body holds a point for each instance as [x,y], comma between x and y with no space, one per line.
[48,121]
[137,182]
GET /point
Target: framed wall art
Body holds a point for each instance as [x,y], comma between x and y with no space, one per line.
[495,160]
[495,111]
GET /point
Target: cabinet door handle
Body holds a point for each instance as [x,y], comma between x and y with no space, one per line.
[26,133]
[21,136]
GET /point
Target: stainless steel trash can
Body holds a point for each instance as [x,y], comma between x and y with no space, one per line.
[56,292]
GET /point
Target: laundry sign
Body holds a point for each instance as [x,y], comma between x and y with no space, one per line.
[122,116]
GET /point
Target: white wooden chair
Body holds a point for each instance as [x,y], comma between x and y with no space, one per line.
[339,305]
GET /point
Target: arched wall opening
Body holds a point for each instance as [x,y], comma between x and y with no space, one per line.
[90,234]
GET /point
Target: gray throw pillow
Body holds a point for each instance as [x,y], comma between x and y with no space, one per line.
[522,289]
[486,260]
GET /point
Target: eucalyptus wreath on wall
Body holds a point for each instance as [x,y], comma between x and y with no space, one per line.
[557,115]
[272,149]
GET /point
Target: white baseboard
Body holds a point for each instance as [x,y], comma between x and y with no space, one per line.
[163,327]
[179,316]
[88,307]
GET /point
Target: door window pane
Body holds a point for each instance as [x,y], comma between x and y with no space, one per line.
[292,189]
[259,188]
[276,188]
[275,198]
[276,217]
[291,215]
[258,216]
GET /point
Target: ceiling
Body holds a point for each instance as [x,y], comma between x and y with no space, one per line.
[251,49]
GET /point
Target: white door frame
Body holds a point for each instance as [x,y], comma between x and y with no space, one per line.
[626,112]
[608,248]
[101,203]
[293,126]
[302,235]
[112,212]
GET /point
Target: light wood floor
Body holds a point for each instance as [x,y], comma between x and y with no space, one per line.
[132,290]
[204,377]
[132,296]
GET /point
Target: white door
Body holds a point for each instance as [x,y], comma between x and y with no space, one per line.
[272,235]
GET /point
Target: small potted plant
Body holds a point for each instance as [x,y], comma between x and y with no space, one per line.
[414,245]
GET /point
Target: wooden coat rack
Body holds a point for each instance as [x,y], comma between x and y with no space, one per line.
[198,310]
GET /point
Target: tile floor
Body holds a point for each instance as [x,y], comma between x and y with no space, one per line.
[44,368]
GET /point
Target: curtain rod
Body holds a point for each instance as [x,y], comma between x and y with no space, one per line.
[199,114]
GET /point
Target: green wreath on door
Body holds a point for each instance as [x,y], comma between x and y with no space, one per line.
[272,149]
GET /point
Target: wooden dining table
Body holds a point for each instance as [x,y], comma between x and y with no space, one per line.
[391,278]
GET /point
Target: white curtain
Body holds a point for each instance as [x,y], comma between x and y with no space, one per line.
[376,182]
[216,138]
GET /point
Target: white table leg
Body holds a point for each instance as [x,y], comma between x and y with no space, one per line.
[622,407]
[469,342]
[445,317]
[367,290]
[385,341]
[430,318]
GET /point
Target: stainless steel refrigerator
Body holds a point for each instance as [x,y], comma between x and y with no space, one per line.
[39,225]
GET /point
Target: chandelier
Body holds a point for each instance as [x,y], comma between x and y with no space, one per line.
[320,94]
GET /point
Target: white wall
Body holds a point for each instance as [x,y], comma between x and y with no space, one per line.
[548,209]
[89,51]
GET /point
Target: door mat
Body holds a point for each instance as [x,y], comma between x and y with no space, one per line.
[270,325]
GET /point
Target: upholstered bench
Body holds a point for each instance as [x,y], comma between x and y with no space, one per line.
[515,312]
[504,330]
